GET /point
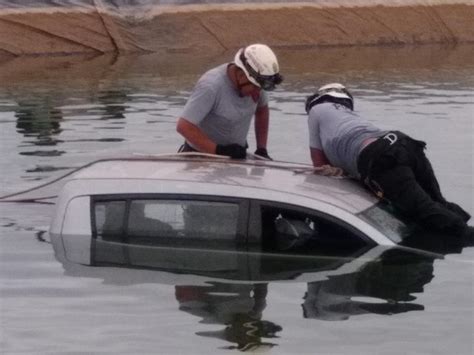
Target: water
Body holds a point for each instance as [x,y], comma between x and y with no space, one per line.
[60,113]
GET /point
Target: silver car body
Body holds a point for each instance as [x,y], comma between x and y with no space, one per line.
[184,175]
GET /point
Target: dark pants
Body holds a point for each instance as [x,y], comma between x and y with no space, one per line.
[395,168]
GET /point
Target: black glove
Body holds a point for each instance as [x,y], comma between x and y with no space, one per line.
[234,151]
[263,153]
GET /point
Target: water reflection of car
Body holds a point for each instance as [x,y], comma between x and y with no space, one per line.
[185,202]
[232,288]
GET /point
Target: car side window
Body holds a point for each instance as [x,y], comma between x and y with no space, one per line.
[109,217]
[183,219]
[287,228]
[167,221]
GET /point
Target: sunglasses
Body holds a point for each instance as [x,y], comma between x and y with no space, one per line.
[266,82]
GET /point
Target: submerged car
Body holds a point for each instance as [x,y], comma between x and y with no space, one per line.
[193,201]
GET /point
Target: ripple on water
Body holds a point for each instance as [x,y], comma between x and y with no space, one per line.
[44,153]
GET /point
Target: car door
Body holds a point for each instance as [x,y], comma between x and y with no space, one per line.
[280,230]
[192,233]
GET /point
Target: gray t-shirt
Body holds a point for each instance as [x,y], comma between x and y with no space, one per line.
[339,132]
[216,107]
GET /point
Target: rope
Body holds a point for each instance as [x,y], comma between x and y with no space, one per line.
[325,170]
[44,185]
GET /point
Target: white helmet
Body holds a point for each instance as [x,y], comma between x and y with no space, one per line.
[334,90]
[260,65]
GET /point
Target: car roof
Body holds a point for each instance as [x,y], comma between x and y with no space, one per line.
[222,177]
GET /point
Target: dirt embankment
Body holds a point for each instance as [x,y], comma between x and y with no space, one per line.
[216,29]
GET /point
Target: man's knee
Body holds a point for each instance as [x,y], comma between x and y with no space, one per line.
[444,221]
[400,187]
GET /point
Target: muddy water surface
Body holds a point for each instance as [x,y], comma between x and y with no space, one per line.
[57,114]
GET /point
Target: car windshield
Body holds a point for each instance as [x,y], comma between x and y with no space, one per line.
[383,217]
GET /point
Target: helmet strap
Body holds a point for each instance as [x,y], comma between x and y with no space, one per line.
[314,100]
[237,82]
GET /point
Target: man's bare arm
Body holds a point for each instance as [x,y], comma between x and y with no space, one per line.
[194,135]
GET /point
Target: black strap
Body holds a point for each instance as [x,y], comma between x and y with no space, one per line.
[185,148]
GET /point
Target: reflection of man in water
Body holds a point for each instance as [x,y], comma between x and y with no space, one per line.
[38,119]
[238,306]
[390,279]
[114,104]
